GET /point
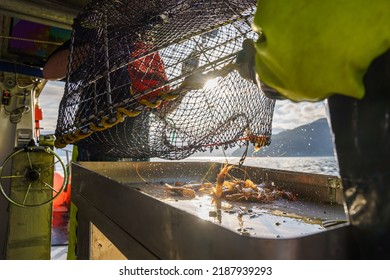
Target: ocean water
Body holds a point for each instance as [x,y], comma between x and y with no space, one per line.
[316,165]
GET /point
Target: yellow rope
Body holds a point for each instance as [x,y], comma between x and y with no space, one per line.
[79,135]
[150,104]
[169,97]
[129,113]
[58,143]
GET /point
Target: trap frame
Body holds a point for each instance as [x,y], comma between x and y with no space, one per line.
[160,79]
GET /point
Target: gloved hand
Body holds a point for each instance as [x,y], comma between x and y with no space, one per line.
[247,69]
[310,50]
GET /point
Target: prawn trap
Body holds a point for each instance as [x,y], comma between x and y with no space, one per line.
[159,79]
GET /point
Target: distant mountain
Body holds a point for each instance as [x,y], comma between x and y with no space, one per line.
[312,139]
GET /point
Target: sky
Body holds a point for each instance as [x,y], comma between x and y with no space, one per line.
[287,114]
[49,101]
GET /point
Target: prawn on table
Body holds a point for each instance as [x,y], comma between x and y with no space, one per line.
[231,188]
[217,190]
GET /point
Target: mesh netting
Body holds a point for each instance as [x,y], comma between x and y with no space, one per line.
[158,79]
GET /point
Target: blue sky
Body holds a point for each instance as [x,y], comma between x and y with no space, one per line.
[287,115]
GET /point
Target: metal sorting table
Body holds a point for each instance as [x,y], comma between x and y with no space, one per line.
[128,203]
